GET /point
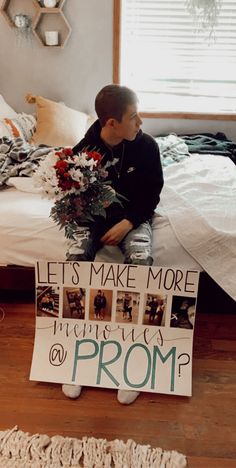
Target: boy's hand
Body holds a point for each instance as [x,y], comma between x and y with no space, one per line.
[117,232]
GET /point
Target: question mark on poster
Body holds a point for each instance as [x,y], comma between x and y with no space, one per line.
[184,362]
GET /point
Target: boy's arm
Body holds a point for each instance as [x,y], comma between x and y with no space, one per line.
[149,186]
[115,234]
[148,196]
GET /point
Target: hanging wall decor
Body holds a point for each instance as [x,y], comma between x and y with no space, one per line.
[23,28]
[205,13]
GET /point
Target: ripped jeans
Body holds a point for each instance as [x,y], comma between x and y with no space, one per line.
[136,245]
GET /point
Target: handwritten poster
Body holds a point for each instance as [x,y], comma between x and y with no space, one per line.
[114,325]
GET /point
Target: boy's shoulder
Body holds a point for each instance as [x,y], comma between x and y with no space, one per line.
[144,139]
[144,147]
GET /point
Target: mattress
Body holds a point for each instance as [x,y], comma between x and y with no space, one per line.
[28,234]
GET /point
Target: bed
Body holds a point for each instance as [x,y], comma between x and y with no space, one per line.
[194,225]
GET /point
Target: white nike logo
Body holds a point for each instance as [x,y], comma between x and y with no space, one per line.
[131,169]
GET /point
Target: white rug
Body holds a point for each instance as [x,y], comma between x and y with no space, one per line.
[21,450]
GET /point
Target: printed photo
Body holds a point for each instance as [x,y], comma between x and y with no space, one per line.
[154,309]
[47,301]
[73,303]
[100,304]
[127,306]
[183,311]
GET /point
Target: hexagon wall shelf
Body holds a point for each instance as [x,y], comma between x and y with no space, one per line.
[45,19]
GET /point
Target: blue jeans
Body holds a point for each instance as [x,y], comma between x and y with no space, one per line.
[136,245]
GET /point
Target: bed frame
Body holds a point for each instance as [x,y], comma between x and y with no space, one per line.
[17,283]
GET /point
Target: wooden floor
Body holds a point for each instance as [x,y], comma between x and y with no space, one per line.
[203,426]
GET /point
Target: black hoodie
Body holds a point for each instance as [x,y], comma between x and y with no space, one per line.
[137,174]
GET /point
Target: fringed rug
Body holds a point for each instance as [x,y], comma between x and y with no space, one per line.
[21,450]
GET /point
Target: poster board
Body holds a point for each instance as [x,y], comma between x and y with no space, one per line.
[115,326]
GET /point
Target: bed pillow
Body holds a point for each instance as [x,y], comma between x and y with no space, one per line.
[23,126]
[24,184]
[5,109]
[57,124]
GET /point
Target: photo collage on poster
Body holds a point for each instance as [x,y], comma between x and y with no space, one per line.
[119,306]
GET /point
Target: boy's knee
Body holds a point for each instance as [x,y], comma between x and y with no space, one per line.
[138,251]
[74,257]
[139,258]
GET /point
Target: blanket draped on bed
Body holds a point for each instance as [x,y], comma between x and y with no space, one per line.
[19,158]
[207,143]
[199,199]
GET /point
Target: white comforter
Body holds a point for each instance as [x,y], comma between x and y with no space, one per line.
[199,198]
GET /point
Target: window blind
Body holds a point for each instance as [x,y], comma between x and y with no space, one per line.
[171,65]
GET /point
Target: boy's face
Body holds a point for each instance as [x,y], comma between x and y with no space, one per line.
[130,124]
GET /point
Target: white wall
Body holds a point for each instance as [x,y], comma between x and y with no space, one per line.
[75,74]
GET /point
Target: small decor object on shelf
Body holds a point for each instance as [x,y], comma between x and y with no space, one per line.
[51,38]
[50,3]
[77,183]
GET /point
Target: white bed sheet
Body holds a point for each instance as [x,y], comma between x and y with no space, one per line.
[27,234]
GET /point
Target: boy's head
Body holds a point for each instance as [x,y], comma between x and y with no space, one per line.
[116,108]
[112,102]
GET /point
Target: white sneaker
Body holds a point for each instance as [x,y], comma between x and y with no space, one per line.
[71,391]
[126,397]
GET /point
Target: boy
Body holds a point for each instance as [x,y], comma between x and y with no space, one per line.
[98,305]
[136,173]
[127,307]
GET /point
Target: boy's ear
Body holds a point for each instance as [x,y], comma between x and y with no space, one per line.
[111,122]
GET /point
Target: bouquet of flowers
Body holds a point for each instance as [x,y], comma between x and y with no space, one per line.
[77,183]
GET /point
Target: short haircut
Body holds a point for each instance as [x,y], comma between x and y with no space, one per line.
[112,102]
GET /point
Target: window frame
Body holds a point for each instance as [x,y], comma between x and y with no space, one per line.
[154,115]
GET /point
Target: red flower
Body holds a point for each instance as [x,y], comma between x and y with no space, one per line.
[68,151]
[61,166]
[60,154]
[65,184]
[94,155]
[64,218]
[77,202]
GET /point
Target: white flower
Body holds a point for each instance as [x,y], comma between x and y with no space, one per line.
[82,160]
[92,179]
[45,176]
[76,174]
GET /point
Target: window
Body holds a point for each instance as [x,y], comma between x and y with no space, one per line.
[173,68]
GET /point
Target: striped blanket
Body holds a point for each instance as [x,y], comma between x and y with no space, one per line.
[19,158]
